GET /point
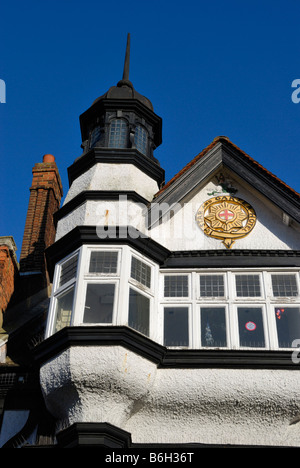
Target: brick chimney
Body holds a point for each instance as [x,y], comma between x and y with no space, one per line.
[39,233]
[9,271]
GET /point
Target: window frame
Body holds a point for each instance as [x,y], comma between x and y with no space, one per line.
[145,132]
[112,144]
[261,286]
[157,301]
[231,302]
[59,291]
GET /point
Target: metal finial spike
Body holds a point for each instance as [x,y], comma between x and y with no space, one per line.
[127,60]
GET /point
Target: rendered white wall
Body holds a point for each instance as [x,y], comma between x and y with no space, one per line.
[214,406]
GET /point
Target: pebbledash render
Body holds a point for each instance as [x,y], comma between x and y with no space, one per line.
[174,316]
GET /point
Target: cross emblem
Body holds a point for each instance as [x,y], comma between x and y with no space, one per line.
[226,215]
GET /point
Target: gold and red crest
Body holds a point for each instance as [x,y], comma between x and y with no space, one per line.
[226,218]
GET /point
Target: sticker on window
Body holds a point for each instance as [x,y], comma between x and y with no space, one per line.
[250,326]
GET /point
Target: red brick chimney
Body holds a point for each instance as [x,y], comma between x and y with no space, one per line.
[9,271]
[39,233]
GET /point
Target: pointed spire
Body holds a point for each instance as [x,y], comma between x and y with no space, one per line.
[127,60]
[125,80]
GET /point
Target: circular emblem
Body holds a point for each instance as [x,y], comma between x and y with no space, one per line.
[226,218]
[250,326]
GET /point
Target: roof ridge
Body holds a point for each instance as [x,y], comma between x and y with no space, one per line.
[200,155]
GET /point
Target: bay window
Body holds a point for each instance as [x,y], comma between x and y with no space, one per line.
[192,309]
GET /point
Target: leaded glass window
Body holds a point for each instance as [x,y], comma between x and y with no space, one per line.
[284,285]
[68,270]
[95,136]
[105,262]
[141,272]
[247,286]
[140,139]
[212,286]
[118,134]
[176,286]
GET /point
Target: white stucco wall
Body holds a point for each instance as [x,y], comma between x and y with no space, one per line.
[214,406]
[180,231]
[105,176]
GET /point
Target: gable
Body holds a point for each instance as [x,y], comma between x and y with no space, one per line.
[262,211]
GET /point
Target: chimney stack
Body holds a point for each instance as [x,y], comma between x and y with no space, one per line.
[39,233]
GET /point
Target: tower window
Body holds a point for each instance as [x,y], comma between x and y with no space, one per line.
[118,134]
[140,139]
[95,136]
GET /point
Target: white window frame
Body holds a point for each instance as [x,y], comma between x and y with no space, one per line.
[149,292]
[249,298]
[57,291]
[212,305]
[266,302]
[190,322]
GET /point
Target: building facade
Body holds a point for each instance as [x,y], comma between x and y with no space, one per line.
[174,313]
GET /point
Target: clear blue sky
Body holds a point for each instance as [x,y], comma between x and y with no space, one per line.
[209,67]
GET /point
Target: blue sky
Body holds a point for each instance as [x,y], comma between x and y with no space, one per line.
[209,68]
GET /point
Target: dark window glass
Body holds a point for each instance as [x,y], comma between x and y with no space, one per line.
[95,136]
[251,330]
[139,308]
[284,285]
[212,286]
[140,139]
[140,272]
[213,326]
[176,286]
[118,134]
[99,303]
[103,262]
[288,325]
[68,270]
[247,285]
[176,326]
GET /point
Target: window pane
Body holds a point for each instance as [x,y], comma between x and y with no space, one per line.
[140,272]
[176,326]
[247,285]
[288,325]
[63,312]
[176,286]
[118,134]
[95,136]
[213,326]
[99,303]
[68,270]
[251,330]
[140,139]
[139,307]
[103,262]
[211,286]
[284,285]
